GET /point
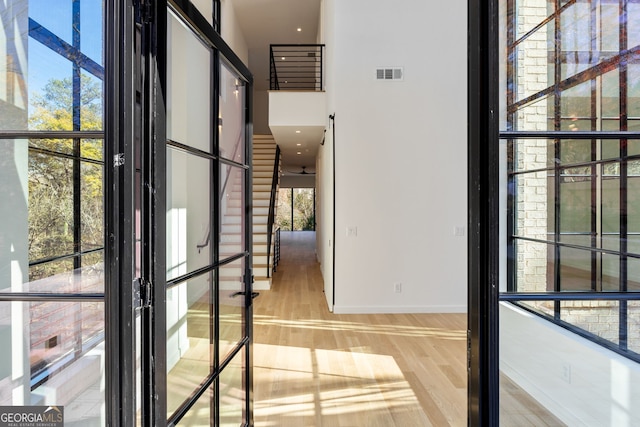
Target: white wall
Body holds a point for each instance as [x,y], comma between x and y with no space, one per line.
[231,32]
[401,154]
[578,381]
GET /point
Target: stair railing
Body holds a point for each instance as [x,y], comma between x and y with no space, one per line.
[272,207]
[207,238]
[296,67]
[276,249]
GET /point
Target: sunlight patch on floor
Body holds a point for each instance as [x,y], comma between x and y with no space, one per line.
[308,383]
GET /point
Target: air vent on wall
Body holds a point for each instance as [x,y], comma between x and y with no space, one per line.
[390,73]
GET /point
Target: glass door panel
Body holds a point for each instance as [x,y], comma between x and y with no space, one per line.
[207,223]
[189,182]
[232,210]
[189,107]
[233,392]
[232,306]
[232,115]
[189,338]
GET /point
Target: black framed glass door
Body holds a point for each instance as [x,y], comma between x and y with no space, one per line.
[200,313]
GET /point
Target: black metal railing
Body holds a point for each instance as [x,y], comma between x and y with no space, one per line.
[296,67]
[276,249]
[272,207]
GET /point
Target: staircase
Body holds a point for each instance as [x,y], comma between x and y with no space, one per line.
[264,153]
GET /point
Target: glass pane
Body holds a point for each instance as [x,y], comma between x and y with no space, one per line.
[53,355]
[190,311]
[91,149]
[535,266]
[610,98]
[57,20]
[633,275]
[610,272]
[233,392]
[575,206]
[188,213]
[610,206]
[50,206]
[232,210]
[576,150]
[575,269]
[63,146]
[532,55]
[304,209]
[530,154]
[189,112]
[92,208]
[91,23]
[231,124]
[633,207]
[50,90]
[534,205]
[284,218]
[633,328]
[575,110]
[534,116]
[91,102]
[232,306]
[61,277]
[576,25]
[201,413]
[529,15]
[601,318]
[633,81]
[609,33]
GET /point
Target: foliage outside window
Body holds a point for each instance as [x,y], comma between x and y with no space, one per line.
[296,209]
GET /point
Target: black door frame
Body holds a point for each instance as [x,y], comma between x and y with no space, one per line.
[135,131]
[483,219]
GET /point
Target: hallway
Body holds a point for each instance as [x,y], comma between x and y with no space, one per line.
[315,368]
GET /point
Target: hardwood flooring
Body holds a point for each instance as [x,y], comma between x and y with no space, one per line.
[315,368]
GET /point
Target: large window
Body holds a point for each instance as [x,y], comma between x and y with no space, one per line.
[51,186]
[296,209]
[574,194]
[561,272]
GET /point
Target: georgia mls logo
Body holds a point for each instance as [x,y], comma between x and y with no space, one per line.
[31,416]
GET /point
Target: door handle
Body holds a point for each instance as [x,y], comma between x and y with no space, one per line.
[253,294]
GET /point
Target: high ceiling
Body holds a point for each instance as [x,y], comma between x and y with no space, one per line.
[265,22]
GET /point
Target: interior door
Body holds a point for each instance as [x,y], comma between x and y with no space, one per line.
[203,313]
[196,260]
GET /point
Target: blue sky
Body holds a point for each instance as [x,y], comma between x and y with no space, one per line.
[55,15]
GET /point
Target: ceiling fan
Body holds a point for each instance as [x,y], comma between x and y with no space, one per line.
[304,171]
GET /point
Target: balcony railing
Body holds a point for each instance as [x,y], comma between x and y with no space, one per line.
[296,67]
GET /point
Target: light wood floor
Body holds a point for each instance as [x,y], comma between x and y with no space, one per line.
[315,368]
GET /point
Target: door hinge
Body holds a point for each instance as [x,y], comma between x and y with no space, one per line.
[141,293]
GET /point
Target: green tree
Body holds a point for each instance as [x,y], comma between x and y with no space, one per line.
[51,184]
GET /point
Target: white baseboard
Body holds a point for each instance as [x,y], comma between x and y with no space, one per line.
[343,309]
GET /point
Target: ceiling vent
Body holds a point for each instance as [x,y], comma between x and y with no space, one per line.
[390,73]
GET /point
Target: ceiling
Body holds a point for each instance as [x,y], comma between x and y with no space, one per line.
[265,22]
